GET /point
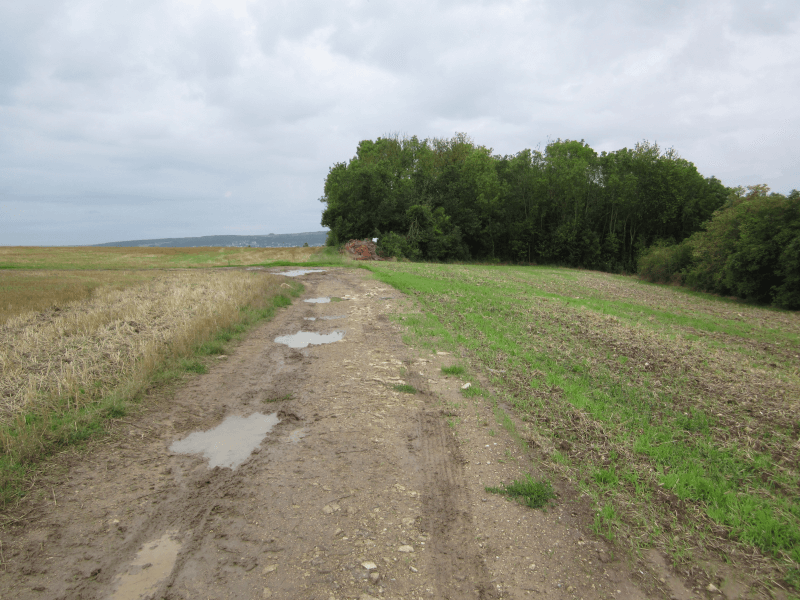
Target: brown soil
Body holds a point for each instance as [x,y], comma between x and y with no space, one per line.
[361,491]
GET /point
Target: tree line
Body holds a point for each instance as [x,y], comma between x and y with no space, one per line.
[451,199]
[750,248]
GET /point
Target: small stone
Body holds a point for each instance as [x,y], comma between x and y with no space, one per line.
[330,508]
[269,569]
[408,521]
[532,566]
[405,548]
[466,386]
[374,577]
[267,593]
[337,531]
[369,566]
[712,588]
[570,589]
[413,570]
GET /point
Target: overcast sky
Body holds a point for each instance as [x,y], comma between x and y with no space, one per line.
[171,118]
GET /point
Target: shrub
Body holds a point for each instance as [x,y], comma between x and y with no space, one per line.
[665,263]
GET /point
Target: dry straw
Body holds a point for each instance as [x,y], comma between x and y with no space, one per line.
[76,354]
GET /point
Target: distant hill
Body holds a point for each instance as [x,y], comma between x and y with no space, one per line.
[273,240]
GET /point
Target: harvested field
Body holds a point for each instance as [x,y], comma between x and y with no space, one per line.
[19,257]
[25,291]
[84,349]
[677,413]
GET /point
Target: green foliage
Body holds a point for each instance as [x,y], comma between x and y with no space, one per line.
[665,263]
[450,199]
[194,365]
[453,370]
[405,388]
[750,249]
[533,493]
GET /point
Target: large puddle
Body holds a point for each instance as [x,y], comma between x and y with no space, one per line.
[298,272]
[152,565]
[318,300]
[303,339]
[231,442]
[325,318]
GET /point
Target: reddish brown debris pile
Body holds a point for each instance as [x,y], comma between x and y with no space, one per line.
[362,250]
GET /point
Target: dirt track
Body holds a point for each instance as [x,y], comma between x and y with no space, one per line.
[360,491]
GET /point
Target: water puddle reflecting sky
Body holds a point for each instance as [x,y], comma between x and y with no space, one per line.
[299,272]
[231,442]
[325,318]
[303,339]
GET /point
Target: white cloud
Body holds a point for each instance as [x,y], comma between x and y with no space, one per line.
[124,120]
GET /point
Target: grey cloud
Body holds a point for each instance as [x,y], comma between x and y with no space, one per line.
[139,117]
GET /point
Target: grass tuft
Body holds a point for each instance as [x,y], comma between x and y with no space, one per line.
[533,493]
[453,370]
[278,398]
[405,388]
[193,365]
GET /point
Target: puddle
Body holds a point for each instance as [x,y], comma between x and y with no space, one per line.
[152,565]
[318,300]
[297,435]
[303,339]
[231,442]
[298,272]
[325,318]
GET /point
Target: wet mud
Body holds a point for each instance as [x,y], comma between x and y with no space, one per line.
[352,491]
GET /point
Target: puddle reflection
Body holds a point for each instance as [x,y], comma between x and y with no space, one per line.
[325,318]
[231,442]
[298,272]
[303,339]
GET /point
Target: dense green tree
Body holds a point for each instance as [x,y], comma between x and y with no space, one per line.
[750,248]
[451,199]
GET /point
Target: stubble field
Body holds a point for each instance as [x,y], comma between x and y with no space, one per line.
[90,257]
[677,413]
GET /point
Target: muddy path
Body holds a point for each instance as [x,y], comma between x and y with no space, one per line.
[359,491]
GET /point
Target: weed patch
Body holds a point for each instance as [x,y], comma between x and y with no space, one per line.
[283,398]
[533,493]
[193,365]
[405,388]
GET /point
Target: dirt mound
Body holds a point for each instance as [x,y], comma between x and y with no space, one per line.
[362,250]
